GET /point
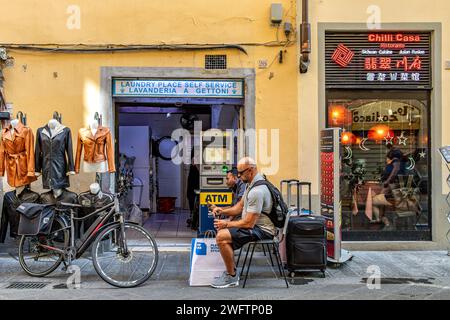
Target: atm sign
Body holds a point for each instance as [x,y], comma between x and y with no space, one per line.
[216,198]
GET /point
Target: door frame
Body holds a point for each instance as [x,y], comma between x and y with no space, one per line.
[439,223]
[108,103]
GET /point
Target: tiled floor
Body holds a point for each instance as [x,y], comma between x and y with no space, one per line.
[170,225]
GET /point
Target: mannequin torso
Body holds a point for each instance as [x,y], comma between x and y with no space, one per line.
[52,123]
[93,126]
[57,192]
[98,167]
[14,124]
[19,190]
[95,190]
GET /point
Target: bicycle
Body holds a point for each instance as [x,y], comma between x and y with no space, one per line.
[130,245]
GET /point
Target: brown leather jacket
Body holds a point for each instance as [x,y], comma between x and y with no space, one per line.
[17,155]
[97,148]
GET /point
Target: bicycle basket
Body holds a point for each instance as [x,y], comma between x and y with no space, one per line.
[35,218]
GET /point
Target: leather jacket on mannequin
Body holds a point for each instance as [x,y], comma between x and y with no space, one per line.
[17,155]
[97,148]
[11,201]
[54,156]
[66,196]
[92,202]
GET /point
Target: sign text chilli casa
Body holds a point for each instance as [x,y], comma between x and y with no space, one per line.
[393,37]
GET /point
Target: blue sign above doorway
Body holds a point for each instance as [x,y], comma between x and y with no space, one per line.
[177,88]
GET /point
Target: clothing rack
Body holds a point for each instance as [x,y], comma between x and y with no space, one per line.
[57,116]
[22,117]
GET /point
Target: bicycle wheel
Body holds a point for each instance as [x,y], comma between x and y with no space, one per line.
[38,261]
[125,269]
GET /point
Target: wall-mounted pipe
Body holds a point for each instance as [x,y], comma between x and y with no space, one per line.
[305,39]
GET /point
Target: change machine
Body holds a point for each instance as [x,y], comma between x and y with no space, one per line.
[217,153]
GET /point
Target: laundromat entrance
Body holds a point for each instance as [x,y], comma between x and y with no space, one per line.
[166,191]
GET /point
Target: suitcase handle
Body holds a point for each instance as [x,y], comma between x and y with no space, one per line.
[289,181]
[289,193]
[300,185]
[294,182]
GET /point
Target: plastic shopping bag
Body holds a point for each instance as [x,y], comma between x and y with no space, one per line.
[206,262]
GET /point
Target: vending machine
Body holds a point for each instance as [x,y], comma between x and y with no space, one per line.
[330,197]
[217,157]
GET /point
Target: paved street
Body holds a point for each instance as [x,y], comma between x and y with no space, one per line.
[405,275]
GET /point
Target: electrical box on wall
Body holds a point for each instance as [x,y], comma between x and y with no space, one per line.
[276,13]
[447,65]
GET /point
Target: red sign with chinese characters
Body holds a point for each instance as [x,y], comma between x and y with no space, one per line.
[395,59]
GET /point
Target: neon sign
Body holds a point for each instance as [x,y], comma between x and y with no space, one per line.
[398,37]
[342,55]
[378,58]
[386,63]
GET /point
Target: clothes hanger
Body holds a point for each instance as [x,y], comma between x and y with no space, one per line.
[98,117]
[57,116]
[22,117]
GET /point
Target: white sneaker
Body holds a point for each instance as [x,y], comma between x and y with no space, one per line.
[225,281]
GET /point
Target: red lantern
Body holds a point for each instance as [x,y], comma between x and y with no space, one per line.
[348,138]
[379,132]
[339,115]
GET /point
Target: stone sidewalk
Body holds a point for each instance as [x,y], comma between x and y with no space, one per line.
[404,275]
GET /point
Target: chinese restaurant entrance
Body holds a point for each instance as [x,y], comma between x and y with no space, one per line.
[378,87]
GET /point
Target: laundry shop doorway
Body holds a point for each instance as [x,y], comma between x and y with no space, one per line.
[143,154]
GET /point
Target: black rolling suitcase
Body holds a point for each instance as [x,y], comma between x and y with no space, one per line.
[306,237]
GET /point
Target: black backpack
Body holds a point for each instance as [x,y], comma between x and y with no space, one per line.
[279,208]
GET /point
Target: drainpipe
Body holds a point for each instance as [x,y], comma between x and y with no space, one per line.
[305,39]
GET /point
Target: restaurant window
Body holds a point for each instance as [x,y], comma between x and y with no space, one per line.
[385,188]
[378,86]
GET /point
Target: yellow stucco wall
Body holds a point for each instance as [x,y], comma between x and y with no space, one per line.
[32,87]
[285,99]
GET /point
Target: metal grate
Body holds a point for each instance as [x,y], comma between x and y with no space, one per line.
[27,285]
[217,61]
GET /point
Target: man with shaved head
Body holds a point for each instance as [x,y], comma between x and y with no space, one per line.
[253,225]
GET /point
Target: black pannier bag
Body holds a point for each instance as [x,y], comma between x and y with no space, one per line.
[35,218]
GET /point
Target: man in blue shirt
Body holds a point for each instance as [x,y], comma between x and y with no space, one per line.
[236,185]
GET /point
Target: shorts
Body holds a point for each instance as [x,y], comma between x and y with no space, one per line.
[240,237]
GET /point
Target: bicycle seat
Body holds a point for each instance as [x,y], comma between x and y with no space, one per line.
[72,205]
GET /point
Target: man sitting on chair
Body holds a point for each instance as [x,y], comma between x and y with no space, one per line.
[253,226]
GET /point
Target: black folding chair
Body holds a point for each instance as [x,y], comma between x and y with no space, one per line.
[274,243]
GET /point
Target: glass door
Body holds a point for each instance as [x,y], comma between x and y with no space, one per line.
[385,187]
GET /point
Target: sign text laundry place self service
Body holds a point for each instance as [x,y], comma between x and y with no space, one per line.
[177,88]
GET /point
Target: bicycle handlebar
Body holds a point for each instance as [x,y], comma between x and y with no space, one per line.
[72,205]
